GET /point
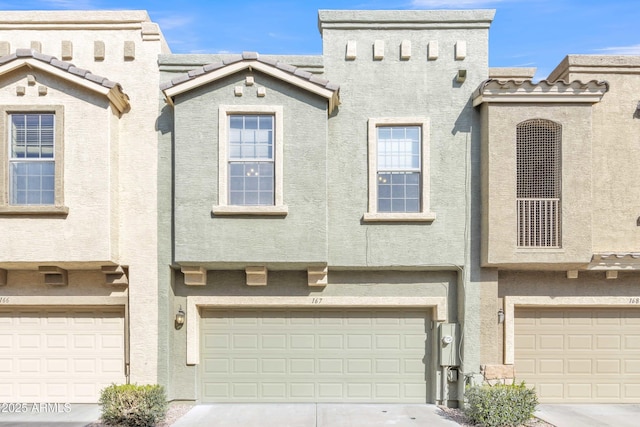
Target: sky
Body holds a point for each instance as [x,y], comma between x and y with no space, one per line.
[524,33]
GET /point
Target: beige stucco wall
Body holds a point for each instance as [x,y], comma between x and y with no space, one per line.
[616,156]
[87,170]
[616,153]
[110,162]
[499,186]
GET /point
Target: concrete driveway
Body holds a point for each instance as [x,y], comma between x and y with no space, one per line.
[314,415]
[590,415]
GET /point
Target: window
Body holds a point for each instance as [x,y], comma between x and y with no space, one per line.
[33,149]
[398,181]
[31,159]
[250,161]
[538,165]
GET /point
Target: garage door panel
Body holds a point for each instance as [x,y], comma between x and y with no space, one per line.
[302,342]
[213,341]
[330,366]
[329,390]
[60,355]
[607,391]
[579,342]
[592,357]
[606,318]
[608,342]
[330,342]
[632,342]
[413,391]
[274,342]
[550,366]
[632,367]
[316,355]
[304,390]
[414,342]
[415,366]
[632,390]
[551,342]
[608,366]
[578,391]
[576,367]
[525,341]
[392,390]
[391,366]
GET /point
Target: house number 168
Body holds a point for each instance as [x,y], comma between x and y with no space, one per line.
[634,300]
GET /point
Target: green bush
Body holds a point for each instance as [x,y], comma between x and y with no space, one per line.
[500,405]
[133,405]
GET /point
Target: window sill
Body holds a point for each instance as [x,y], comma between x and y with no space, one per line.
[281,210]
[34,210]
[399,217]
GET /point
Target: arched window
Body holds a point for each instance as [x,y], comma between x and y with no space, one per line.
[538,183]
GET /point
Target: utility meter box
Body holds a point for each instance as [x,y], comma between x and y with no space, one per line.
[448,342]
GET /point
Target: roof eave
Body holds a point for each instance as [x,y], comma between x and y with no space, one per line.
[512,91]
[117,98]
[182,87]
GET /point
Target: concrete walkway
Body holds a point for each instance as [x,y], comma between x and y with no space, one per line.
[50,415]
[590,415]
[314,415]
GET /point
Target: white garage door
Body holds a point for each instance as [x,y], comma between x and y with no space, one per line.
[60,354]
[314,356]
[579,355]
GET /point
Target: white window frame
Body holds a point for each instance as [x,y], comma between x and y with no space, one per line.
[425,214]
[57,208]
[223,207]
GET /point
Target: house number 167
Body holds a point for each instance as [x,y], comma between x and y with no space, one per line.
[316,300]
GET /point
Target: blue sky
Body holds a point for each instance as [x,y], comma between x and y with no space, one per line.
[528,33]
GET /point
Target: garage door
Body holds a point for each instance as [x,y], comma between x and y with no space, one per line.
[313,356]
[60,355]
[579,355]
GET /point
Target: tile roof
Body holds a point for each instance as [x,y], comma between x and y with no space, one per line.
[112,90]
[62,65]
[493,90]
[251,56]
[615,261]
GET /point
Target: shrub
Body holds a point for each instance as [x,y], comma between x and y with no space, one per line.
[500,405]
[133,405]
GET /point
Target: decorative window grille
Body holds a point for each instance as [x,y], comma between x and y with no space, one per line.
[538,198]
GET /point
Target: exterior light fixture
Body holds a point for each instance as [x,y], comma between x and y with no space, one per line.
[180,317]
[501,316]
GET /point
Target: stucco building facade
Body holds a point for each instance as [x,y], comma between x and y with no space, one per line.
[78,262]
[560,228]
[320,213]
[387,221]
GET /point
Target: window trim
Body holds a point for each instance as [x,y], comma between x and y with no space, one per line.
[425,214]
[527,238]
[57,208]
[223,207]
